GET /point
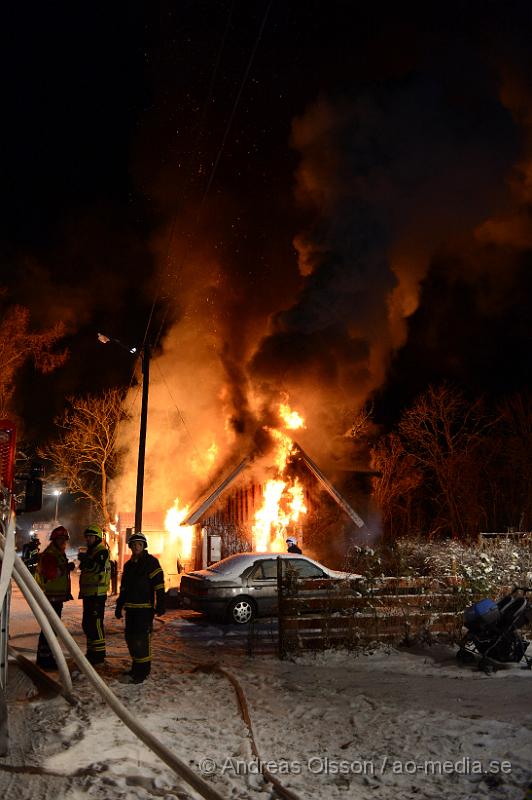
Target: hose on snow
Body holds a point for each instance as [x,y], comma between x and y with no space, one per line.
[24,579]
[287,794]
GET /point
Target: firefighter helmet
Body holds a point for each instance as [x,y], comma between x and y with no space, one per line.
[94,530]
[138,537]
[59,533]
[291,540]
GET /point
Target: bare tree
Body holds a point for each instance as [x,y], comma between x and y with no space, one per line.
[18,344]
[361,422]
[444,432]
[395,489]
[85,454]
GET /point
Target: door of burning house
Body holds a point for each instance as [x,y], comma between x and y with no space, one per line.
[211,548]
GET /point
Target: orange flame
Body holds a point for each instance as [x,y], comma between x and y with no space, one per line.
[178,543]
[269,519]
[285,447]
[292,419]
[113,538]
[297,503]
[283,502]
[202,462]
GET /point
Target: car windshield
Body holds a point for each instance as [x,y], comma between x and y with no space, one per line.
[229,564]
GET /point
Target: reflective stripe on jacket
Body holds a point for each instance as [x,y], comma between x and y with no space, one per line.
[53,575]
[95,571]
[142,584]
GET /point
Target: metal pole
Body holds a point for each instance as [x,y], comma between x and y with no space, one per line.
[142,438]
[4,636]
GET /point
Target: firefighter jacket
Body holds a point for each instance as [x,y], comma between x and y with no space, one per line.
[30,554]
[142,585]
[53,574]
[95,571]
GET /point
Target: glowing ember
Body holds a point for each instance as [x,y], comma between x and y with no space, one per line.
[178,543]
[292,419]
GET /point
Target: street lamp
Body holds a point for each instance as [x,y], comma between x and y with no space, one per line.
[145,360]
[57,493]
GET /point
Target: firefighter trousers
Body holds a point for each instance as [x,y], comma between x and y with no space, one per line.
[139,625]
[45,657]
[92,624]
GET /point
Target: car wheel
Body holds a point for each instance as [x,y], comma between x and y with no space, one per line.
[242,610]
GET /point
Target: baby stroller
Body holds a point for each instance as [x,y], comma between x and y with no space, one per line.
[493,631]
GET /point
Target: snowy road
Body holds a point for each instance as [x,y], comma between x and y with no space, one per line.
[382,724]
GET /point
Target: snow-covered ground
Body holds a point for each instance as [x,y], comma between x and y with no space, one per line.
[381,724]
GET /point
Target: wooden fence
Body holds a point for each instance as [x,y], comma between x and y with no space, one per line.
[315,614]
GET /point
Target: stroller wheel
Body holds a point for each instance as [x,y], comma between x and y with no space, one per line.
[465,656]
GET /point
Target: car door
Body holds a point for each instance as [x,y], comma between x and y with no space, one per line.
[262,585]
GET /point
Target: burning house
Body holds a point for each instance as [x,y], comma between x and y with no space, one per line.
[245,513]
[247,510]
[276,491]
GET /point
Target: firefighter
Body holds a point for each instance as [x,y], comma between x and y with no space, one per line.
[142,596]
[94,579]
[292,545]
[53,576]
[30,553]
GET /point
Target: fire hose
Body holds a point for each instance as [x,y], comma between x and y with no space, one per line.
[244,710]
[27,585]
[45,614]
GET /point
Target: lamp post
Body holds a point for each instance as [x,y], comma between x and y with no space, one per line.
[145,361]
[57,493]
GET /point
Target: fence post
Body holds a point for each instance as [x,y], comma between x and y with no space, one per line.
[280,606]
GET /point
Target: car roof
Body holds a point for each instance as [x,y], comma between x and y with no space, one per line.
[236,563]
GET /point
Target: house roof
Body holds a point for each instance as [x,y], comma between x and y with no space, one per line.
[204,505]
[327,485]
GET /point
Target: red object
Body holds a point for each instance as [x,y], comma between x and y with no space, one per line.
[8,436]
[59,533]
[48,566]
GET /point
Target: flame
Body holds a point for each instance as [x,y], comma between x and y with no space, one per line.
[269,516]
[283,499]
[212,452]
[113,539]
[297,503]
[292,419]
[285,447]
[201,462]
[178,543]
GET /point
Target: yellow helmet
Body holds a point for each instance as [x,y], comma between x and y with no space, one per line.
[94,530]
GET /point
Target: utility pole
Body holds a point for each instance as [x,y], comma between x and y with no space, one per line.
[142,436]
[145,360]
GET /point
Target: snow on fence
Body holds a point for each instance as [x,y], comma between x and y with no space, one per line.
[315,614]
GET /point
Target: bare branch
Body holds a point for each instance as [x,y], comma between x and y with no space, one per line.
[85,454]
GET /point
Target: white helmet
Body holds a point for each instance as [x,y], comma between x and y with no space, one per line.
[291,540]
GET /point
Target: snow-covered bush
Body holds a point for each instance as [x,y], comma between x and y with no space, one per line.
[487,569]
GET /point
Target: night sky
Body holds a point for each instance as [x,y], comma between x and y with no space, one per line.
[353,186]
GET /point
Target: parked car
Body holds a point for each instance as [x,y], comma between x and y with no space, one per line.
[244,585]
